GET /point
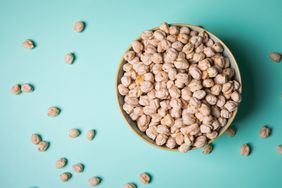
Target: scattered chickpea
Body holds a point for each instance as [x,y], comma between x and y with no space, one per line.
[145,178]
[275,57]
[78,167]
[245,150]
[16,89]
[27,88]
[79,26]
[53,111]
[28,44]
[264,132]
[279,148]
[69,58]
[62,162]
[130,185]
[36,139]
[65,176]
[90,134]
[230,131]
[93,181]
[43,146]
[73,133]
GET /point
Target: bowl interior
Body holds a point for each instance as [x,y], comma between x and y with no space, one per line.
[132,124]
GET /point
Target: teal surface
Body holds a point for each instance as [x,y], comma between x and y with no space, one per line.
[86,93]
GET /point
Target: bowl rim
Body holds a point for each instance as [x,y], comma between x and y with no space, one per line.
[227,51]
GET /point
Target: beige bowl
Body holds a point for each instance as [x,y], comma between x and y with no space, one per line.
[133,125]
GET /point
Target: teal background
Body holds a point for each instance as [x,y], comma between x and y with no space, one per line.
[86,93]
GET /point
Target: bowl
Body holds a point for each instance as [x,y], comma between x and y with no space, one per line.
[133,125]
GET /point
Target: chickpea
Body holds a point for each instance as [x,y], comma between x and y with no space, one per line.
[69,58]
[146,35]
[173,30]
[16,89]
[94,181]
[65,176]
[36,139]
[159,35]
[164,27]
[145,178]
[129,55]
[27,88]
[73,133]
[90,134]
[79,26]
[184,148]
[171,143]
[53,111]
[78,167]
[28,44]
[207,149]
[43,146]
[275,57]
[130,185]
[61,163]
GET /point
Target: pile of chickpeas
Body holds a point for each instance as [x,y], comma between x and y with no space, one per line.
[178,86]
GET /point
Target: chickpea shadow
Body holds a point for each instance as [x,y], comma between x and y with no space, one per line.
[240,51]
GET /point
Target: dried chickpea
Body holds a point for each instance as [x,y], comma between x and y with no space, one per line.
[200,141]
[78,167]
[16,89]
[217,47]
[28,44]
[173,30]
[159,35]
[146,35]
[171,143]
[264,132]
[129,56]
[245,150]
[145,178]
[184,148]
[43,146]
[164,27]
[36,139]
[130,185]
[65,176]
[231,106]
[27,88]
[94,181]
[53,111]
[137,46]
[230,131]
[90,134]
[161,139]
[275,57]
[79,26]
[212,135]
[184,30]
[61,163]
[73,133]
[279,149]
[69,58]
[207,149]
[122,89]
[235,96]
